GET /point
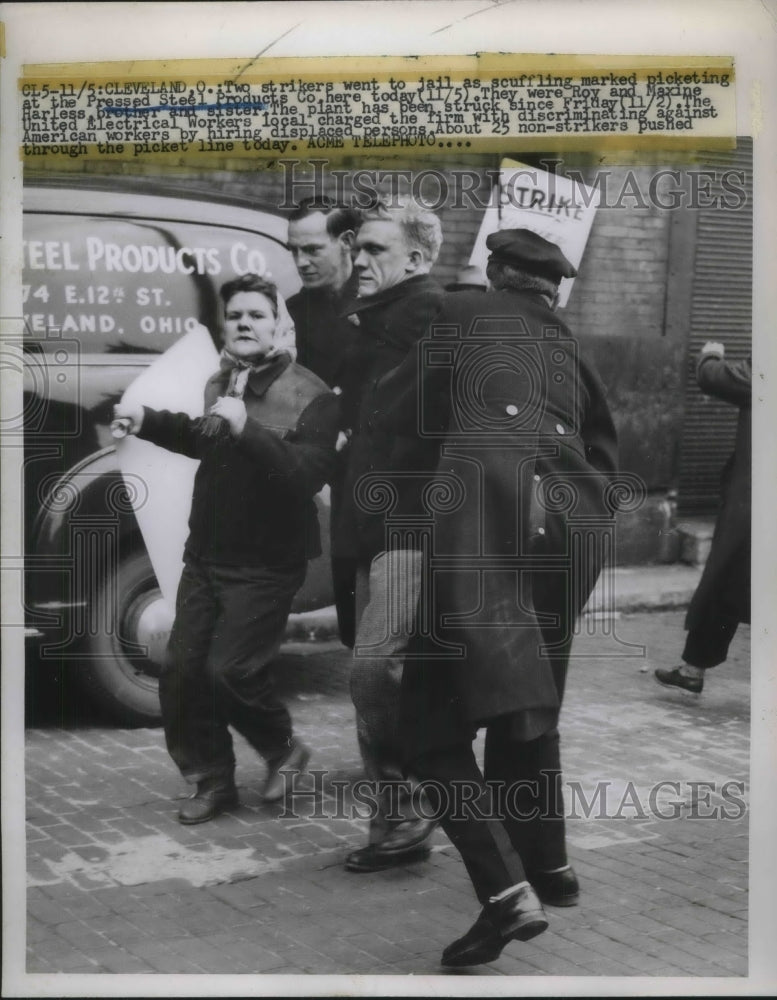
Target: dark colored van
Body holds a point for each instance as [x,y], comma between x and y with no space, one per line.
[115,271]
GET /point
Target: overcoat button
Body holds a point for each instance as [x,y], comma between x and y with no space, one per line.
[560,429]
[536,479]
[541,531]
[511,409]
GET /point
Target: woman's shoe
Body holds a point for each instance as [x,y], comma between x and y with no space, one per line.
[275,786]
[213,796]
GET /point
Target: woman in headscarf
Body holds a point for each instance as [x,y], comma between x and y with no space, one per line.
[266,446]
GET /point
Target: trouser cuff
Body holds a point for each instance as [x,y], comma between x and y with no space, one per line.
[216,773]
[506,893]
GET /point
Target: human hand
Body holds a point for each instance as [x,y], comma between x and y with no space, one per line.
[343,440]
[713,347]
[127,419]
[232,410]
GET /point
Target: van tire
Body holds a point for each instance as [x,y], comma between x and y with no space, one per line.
[116,674]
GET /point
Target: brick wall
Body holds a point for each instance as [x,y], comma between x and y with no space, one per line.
[620,287]
[619,310]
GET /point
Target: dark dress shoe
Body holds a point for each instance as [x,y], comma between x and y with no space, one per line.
[673,678]
[210,799]
[406,835]
[275,786]
[482,943]
[556,888]
[519,917]
[372,859]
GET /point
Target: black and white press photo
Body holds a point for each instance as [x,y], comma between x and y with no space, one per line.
[385,466]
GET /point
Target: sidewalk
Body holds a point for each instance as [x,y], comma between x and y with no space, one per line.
[628,589]
[117,885]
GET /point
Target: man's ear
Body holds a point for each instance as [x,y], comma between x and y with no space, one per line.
[347,239]
[415,259]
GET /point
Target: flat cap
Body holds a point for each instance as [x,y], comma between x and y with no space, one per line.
[530,252]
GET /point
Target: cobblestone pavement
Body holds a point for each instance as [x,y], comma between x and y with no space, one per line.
[116,885]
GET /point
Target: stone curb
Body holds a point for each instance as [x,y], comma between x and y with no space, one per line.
[635,588]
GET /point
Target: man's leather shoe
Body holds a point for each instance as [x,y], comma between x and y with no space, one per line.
[211,798]
[674,678]
[372,859]
[406,835]
[482,943]
[559,888]
[518,917]
[275,786]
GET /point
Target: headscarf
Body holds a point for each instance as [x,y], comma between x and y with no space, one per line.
[240,369]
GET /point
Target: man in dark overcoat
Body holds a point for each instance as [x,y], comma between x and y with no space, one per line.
[395,249]
[528,449]
[321,237]
[722,599]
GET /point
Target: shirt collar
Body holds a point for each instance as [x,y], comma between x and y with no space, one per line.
[345,293]
[260,379]
[391,294]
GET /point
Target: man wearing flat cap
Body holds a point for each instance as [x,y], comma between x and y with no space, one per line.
[530,254]
[527,453]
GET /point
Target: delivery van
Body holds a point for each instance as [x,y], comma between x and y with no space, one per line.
[115,271]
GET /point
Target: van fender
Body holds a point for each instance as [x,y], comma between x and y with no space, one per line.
[91,500]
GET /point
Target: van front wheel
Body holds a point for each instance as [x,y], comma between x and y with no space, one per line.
[126,650]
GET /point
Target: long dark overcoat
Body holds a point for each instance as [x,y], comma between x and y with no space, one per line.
[324,336]
[390,324]
[725,583]
[527,449]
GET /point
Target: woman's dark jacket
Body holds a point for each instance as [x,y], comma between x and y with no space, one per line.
[253,495]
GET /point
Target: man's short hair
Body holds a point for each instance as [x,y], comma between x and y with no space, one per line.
[250,283]
[502,274]
[420,226]
[339,218]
